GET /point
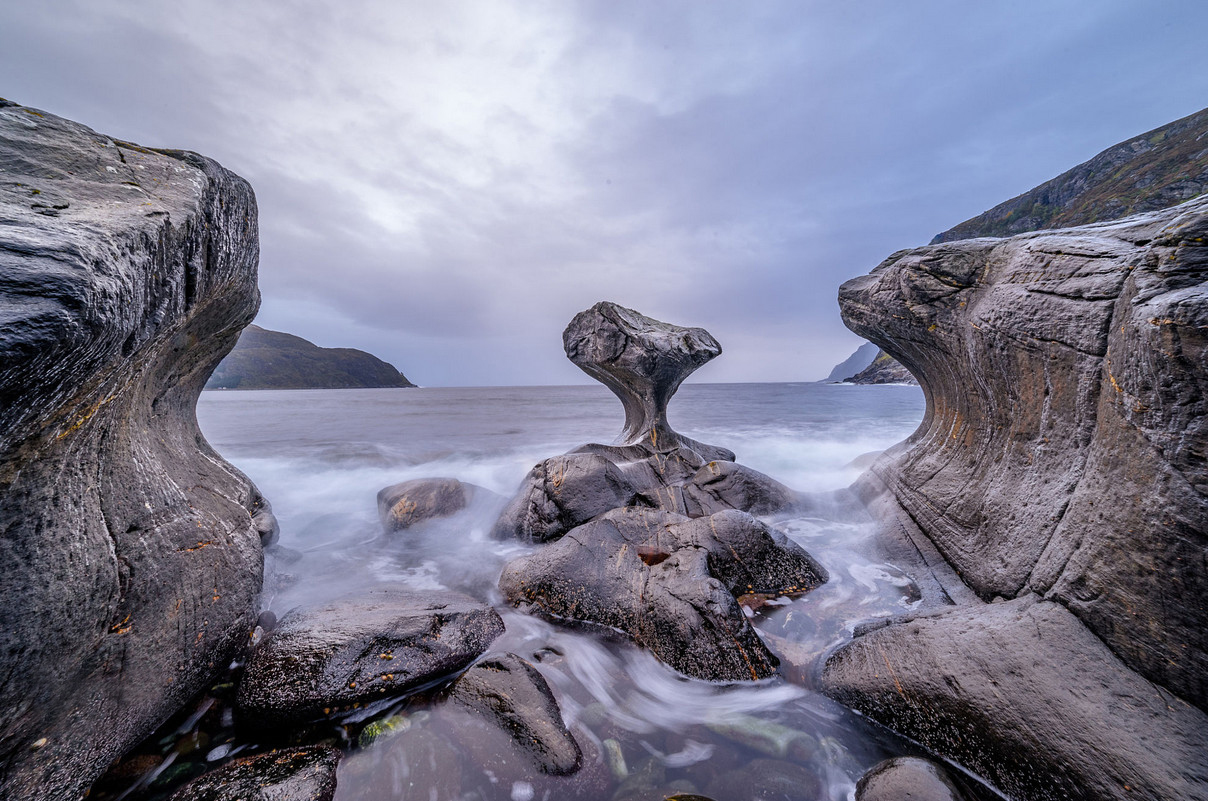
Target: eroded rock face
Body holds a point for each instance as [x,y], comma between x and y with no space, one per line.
[671,583]
[1062,452]
[294,774]
[131,560]
[1062,458]
[386,642]
[643,361]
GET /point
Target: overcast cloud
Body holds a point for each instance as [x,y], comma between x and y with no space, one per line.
[446,183]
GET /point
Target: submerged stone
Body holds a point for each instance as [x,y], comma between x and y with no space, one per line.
[510,692]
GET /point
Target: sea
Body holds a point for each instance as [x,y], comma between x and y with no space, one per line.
[321,456]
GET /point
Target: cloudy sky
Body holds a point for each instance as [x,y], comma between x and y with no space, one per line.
[446,183]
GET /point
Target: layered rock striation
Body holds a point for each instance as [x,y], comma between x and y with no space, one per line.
[1061,458]
[130,557]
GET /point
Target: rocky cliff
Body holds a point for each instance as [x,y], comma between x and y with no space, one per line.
[884,370]
[1061,463]
[1155,170]
[264,359]
[131,558]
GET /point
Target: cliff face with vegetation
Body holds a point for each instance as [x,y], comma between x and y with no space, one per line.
[266,359]
[1155,170]
[131,560]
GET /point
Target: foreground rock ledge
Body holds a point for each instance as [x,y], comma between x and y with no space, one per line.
[131,561]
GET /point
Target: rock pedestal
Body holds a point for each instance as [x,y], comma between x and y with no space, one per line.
[651,536]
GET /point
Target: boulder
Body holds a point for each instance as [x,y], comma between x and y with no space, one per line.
[295,774]
[670,582]
[1022,693]
[907,779]
[401,506]
[510,692]
[388,642]
[131,558]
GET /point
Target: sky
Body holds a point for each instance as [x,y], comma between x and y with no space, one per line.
[446,183]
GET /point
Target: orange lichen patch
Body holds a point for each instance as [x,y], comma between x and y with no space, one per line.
[200,545]
[86,416]
[652,556]
[386,655]
[896,683]
[122,627]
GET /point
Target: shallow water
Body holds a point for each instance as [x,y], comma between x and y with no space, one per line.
[321,456]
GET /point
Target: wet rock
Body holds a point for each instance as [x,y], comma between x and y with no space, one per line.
[132,562]
[1062,451]
[401,506]
[509,691]
[643,361]
[561,493]
[670,583]
[387,642]
[907,779]
[767,780]
[296,774]
[718,486]
[1022,693]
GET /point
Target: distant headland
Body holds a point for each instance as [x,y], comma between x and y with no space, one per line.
[266,359]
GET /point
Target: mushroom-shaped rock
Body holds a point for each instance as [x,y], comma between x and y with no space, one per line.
[296,774]
[669,582]
[357,650]
[643,361]
[510,692]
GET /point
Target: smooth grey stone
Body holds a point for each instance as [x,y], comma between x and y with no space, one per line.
[131,559]
[511,693]
[291,774]
[387,642]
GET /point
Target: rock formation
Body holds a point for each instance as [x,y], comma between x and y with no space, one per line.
[649,541]
[1061,457]
[409,503]
[384,643]
[292,774]
[131,560]
[861,358]
[643,361]
[670,582]
[509,691]
[264,359]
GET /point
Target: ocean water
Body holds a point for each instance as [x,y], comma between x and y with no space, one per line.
[320,456]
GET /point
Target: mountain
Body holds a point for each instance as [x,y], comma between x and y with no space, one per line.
[1158,169]
[854,363]
[1155,170]
[884,369]
[266,359]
